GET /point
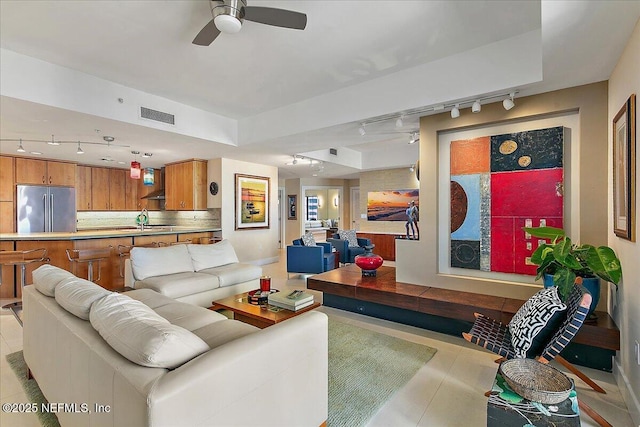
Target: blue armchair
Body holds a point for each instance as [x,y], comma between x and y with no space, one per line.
[348,254]
[309,259]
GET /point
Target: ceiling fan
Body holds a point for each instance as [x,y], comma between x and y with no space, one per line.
[228,16]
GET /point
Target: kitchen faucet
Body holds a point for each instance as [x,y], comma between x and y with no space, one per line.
[143,218]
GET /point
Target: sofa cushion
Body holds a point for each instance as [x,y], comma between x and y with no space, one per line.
[350,236]
[188,316]
[180,284]
[535,322]
[223,332]
[149,262]
[233,274]
[46,278]
[308,240]
[209,256]
[77,295]
[141,335]
[149,297]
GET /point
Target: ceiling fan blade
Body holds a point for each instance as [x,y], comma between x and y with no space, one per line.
[276,17]
[207,35]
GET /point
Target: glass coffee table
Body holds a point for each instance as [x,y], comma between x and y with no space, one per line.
[257,315]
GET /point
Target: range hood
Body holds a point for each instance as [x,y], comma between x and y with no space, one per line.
[155,195]
[158,194]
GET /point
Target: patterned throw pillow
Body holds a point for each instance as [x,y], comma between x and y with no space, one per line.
[308,240]
[350,237]
[535,322]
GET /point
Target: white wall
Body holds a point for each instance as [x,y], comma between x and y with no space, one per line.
[259,246]
[625,304]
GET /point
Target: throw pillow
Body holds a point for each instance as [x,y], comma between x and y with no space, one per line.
[141,335]
[534,323]
[308,240]
[77,295]
[46,278]
[215,255]
[350,236]
[150,262]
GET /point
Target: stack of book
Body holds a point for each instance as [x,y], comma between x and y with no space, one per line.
[293,301]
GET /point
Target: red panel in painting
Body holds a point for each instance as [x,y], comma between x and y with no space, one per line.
[528,194]
[502,244]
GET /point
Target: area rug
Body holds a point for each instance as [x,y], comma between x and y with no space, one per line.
[365,369]
[31,389]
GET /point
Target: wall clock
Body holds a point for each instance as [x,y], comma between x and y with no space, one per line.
[213,188]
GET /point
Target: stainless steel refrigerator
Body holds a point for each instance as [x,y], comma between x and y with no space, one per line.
[43,208]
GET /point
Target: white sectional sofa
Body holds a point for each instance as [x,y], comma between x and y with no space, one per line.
[148,360]
[196,274]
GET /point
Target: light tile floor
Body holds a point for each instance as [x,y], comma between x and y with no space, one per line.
[447,391]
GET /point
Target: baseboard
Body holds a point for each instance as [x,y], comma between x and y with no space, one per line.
[264,261]
[628,396]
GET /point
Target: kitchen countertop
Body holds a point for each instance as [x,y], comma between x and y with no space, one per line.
[106,233]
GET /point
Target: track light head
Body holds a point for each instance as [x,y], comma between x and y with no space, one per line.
[414,138]
[399,122]
[455,111]
[412,168]
[361,130]
[508,103]
[20,148]
[80,150]
[476,107]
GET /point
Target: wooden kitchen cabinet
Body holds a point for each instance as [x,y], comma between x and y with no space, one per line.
[45,172]
[7,182]
[100,189]
[131,201]
[83,188]
[117,189]
[7,194]
[186,185]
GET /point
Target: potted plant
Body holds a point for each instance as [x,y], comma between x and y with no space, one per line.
[562,261]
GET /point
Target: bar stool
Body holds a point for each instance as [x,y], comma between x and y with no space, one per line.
[88,256]
[21,259]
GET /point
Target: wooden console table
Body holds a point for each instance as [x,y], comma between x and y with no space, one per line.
[449,311]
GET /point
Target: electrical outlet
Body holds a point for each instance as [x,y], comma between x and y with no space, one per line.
[636,351]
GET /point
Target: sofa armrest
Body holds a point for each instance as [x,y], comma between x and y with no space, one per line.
[277,376]
[340,244]
[328,247]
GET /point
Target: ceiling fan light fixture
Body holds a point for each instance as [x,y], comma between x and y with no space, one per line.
[455,111]
[228,24]
[476,107]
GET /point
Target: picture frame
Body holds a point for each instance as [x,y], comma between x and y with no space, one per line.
[292,206]
[252,194]
[624,173]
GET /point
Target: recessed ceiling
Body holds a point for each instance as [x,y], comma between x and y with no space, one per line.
[146,45]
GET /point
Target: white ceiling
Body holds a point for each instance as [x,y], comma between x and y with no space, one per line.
[252,76]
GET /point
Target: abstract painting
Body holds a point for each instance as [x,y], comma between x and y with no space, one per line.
[252,202]
[500,184]
[390,205]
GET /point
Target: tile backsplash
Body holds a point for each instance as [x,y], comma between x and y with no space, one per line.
[106,219]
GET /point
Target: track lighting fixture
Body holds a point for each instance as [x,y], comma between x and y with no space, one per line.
[147,155]
[508,103]
[476,107]
[295,160]
[455,111]
[414,138]
[399,121]
[361,130]
[80,151]
[53,142]
[20,148]
[412,168]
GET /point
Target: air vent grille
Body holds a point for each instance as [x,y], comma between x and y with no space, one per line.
[158,116]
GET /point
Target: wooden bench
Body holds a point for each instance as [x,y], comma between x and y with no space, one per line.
[449,311]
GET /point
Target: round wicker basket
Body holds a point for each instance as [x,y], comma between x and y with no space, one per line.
[536,381]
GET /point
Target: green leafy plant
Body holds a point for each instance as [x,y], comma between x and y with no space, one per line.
[566,260]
